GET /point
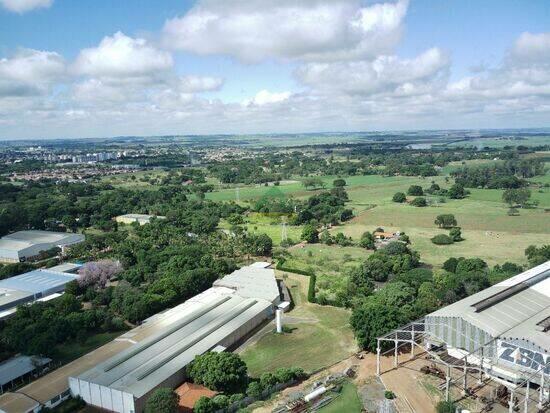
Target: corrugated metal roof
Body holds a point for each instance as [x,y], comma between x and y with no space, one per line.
[516,314]
[19,366]
[252,281]
[37,281]
[199,327]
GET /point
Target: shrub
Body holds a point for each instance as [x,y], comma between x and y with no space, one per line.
[419,202]
[163,400]
[445,221]
[446,407]
[415,190]
[456,234]
[450,264]
[442,239]
[388,394]
[338,183]
[399,197]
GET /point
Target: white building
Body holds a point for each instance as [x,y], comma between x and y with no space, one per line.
[141,219]
[24,245]
[218,318]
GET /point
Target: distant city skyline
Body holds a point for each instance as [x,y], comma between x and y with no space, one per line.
[101,68]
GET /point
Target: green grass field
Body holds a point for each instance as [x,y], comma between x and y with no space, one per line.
[271,225]
[348,401]
[320,336]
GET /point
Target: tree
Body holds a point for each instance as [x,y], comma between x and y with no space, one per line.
[419,202]
[163,400]
[326,238]
[457,191]
[339,183]
[313,183]
[456,234]
[399,197]
[467,265]
[204,405]
[259,244]
[97,273]
[372,319]
[445,221]
[367,241]
[219,371]
[518,196]
[310,234]
[537,255]
[415,190]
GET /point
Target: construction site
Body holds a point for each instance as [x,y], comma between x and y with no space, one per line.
[487,352]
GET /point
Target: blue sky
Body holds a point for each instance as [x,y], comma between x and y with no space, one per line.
[271,76]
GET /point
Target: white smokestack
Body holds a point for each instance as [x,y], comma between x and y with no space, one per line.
[279,320]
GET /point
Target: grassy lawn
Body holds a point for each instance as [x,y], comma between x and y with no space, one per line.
[348,401]
[125,180]
[320,336]
[257,223]
[74,349]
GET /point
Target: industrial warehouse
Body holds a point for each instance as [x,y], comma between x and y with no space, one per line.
[34,285]
[27,245]
[121,375]
[501,333]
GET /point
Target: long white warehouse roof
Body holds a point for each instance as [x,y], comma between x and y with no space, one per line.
[195,327]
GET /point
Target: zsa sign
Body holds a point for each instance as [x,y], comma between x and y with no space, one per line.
[522,357]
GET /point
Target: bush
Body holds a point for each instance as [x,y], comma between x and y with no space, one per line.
[456,234]
[419,202]
[442,239]
[163,400]
[399,197]
[338,183]
[415,190]
[450,264]
[388,394]
[446,407]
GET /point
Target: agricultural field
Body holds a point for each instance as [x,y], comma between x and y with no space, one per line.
[317,337]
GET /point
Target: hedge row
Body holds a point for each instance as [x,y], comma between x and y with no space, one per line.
[311,290]
[312,279]
[281,267]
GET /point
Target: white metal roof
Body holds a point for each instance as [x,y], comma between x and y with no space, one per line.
[252,281]
[18,366]
[512,309]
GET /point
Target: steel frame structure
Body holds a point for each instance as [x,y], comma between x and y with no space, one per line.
[482,363]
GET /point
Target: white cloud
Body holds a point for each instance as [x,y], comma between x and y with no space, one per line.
[383,74]
[265,97]
[22,6]
[531,47]
[255,30]
[120,56]
[30,72]
[195,84]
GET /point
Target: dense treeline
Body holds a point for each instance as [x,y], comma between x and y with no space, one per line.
[504,175]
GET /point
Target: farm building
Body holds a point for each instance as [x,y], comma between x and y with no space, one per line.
[141,219]
[25,245]
[218,318]
[502,333]
[31,286]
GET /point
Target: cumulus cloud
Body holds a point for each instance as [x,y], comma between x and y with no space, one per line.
[30,72]
[194,84]
[529,48]
[383,74]
[315,30]
[22,6]
[121,56]
[264,97]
